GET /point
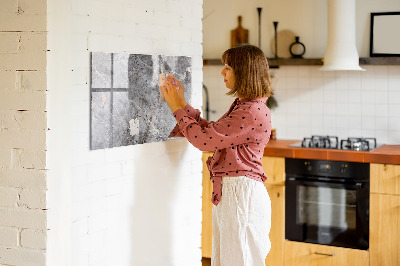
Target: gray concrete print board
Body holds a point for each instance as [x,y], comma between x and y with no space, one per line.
[126,108]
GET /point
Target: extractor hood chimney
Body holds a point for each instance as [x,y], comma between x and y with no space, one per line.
[341,51]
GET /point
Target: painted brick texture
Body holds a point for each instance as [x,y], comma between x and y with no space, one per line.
[23,132]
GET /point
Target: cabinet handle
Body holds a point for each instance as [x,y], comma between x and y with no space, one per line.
[324,254]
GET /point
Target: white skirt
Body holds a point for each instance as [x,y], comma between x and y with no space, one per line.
[241,223]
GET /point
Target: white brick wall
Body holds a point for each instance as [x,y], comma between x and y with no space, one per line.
[135,205]
[23,132]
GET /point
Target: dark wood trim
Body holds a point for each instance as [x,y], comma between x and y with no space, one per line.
[313,61]
[380,61]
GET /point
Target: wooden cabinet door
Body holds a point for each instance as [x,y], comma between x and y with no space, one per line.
[277,233]
[384,237]
[274,168]
[385,178]
[304,254]
[206,226]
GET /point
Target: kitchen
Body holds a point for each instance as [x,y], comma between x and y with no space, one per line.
[311,102]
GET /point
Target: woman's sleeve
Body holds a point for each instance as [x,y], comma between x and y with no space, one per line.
[193,113]
[230,131]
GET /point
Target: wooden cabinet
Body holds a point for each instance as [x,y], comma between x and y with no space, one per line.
[304,254]
[274,168]
[206,226]
[277,233]
[385,215]
[385,178]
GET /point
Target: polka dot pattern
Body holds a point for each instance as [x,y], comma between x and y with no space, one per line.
[238,139]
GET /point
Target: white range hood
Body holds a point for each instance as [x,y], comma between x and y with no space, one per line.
[341,51]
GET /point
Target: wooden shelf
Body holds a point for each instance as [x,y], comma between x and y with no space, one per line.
[380,61]
[273,63]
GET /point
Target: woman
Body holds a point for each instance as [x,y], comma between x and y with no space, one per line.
[242,208]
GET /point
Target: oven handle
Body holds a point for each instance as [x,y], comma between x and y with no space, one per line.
[357,185]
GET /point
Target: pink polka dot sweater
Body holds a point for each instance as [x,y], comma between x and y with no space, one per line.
[238,139]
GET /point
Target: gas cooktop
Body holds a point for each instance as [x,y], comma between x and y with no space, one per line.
[332,142]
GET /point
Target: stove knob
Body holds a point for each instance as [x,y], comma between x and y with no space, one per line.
[308,166]
[343,168]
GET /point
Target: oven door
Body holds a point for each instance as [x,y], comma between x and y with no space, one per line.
[327,213]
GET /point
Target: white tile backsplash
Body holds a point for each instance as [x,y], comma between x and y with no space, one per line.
[343,103]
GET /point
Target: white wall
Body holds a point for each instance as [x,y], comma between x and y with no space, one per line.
[311,102]
[23,133]
[134,205]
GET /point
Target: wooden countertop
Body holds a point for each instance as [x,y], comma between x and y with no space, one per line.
[389,154]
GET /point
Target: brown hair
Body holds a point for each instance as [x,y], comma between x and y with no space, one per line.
[250,66]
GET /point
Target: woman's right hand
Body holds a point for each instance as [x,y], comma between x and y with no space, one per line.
[181,91]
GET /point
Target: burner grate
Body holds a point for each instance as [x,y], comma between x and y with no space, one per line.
[358,144]
[327,142]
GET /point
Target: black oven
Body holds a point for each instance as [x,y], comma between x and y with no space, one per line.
[327,202]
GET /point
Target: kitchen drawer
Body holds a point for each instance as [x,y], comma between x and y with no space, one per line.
[305,254]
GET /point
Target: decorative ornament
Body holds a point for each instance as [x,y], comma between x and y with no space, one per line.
[276,39]
[297,49]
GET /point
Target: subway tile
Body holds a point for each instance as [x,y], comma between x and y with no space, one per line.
[355,96]
[394,110]
[355,109]
[367,110]
[381,110]
[292,82]
[342,109]
[355,122]
[329,122]
[328,74]
[316,83]
[367,122]
[354,81]
[316,72]
[394,97]
[342,96]
[317,107]
[291,71]
[304,72]
[381,123]
[317,95]
[342,133]
[382,136]
[394,123]
[342,82]
[381,84]
[394,71]
[394,83]
[329,94]
[381,97]
[342,122]
[303,82]
[367,96]
[355,132]
[329,109]
[367,133]
[380,71]
[394,137]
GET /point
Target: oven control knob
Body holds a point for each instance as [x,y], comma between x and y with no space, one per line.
[343,168]
[308,166]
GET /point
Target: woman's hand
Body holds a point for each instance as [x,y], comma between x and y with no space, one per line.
[181,91]
[173,92]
